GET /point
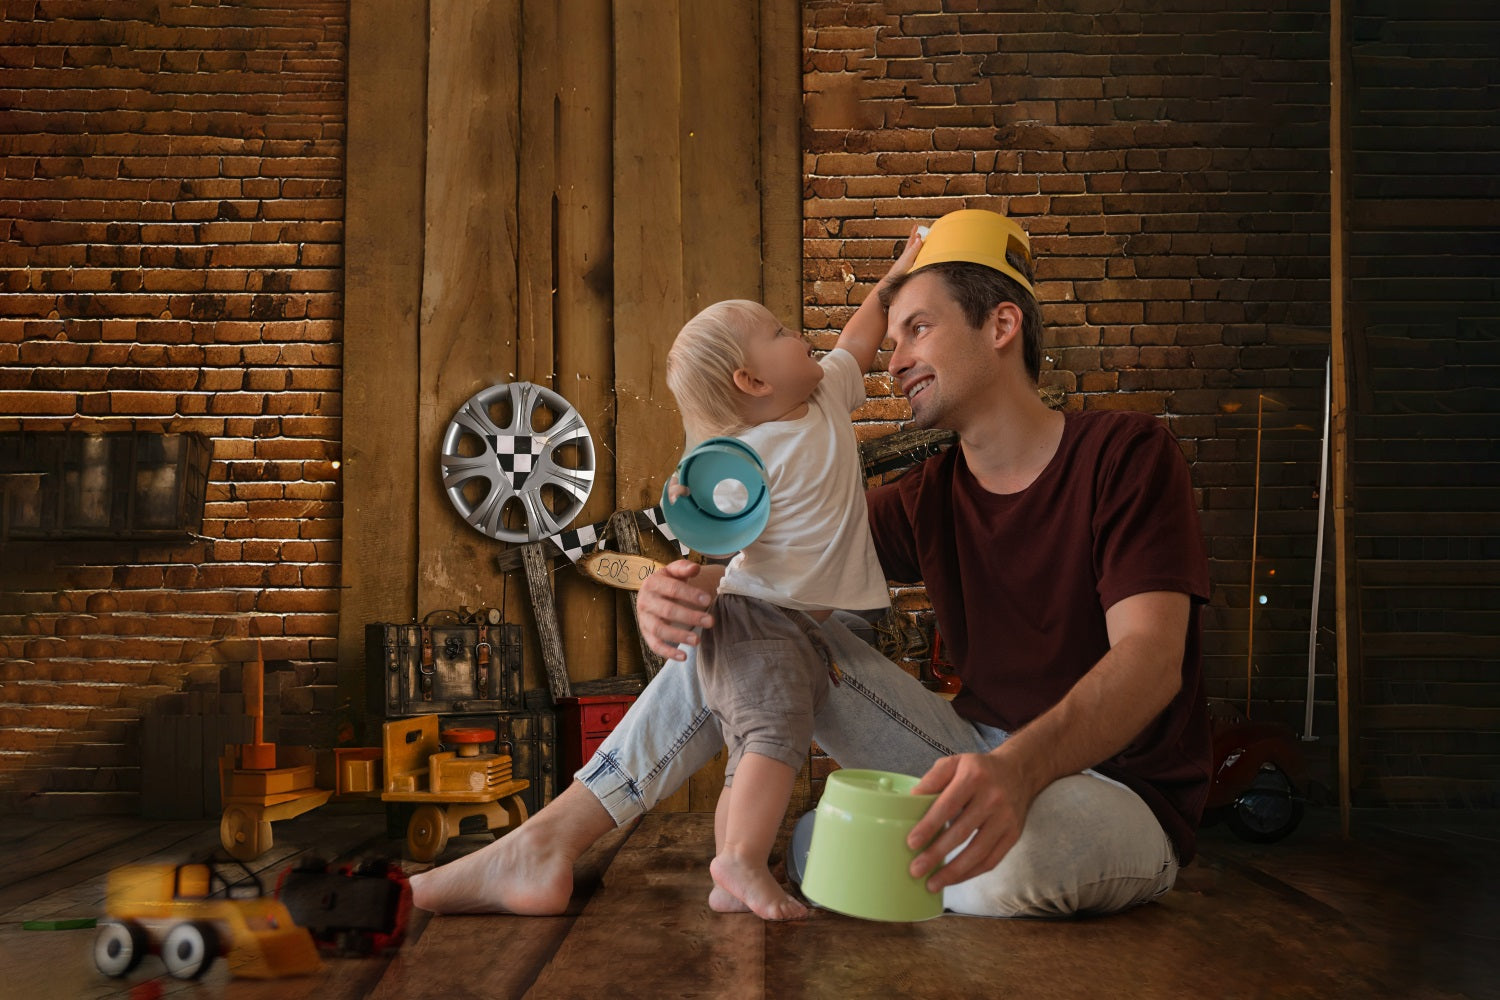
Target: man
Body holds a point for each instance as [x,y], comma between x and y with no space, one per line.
[1064,562]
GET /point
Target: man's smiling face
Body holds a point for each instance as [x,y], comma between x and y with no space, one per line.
[940,362]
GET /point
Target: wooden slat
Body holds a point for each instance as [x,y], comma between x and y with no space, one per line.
[721,202]
[536,250]
[566,336]
[649,237]
[445,963]
[1430,717]
[781,157]
[1426,214]
[382,296]
[1431,644]
[1346,588]
[620,945]
[544,618]
[1429,572]
[583,307]
[468,329]
[650,300]
[1399,790]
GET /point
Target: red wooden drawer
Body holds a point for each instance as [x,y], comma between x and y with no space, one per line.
[582,724]
[600,720]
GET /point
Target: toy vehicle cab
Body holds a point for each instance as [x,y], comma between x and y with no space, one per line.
[191,914]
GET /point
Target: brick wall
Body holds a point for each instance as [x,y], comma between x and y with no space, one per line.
[1171,168]
[171,204]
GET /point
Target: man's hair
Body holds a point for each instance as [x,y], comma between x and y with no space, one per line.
[978,290]
[701,366]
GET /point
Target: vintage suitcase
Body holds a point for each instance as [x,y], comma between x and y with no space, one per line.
[443,669]
[532,736]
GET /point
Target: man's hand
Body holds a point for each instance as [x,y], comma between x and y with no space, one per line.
[671,604]
[978,793]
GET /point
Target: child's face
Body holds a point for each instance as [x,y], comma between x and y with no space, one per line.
[781,359]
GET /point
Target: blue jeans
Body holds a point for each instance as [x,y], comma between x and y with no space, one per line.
[1090,845]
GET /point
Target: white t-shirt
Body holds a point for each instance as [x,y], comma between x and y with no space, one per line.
[815,552]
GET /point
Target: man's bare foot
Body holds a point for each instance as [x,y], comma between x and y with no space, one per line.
[753,886]
[523,872]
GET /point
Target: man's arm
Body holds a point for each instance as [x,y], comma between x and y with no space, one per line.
[988,795]
[865,330]
[673,601]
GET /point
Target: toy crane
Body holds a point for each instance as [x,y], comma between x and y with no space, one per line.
[255,791]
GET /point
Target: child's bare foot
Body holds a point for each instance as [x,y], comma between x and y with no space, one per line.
[522,872]
[753,886]
[722,902]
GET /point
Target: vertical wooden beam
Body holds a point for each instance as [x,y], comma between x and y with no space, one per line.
[536,266]
[721,156]
[781,157]
[538,567]
[468,331]
[581,207]
[382,296]
[650,301]
[1346,593]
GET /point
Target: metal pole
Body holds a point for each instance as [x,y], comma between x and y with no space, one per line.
[1312,628]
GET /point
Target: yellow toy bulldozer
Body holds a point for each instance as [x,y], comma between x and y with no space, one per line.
[190,914]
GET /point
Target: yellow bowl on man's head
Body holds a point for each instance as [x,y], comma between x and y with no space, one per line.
[976,236]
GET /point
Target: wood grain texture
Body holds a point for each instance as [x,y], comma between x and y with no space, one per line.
[382,297]
[780,106]
[582,253]
[721,154]
[621,946]
[650,300]
[444,963]
[468,332]
[538,567]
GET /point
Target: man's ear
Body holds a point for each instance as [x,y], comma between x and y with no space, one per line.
[1005,324]
[747,383]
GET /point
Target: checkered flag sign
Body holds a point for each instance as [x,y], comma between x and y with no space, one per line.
[658,519]
[517,454]
[576,542]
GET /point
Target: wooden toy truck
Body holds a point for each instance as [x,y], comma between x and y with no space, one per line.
[450,788]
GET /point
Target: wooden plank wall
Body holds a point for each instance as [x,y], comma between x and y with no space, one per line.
[544,191]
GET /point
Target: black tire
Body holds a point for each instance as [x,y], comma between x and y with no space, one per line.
[190,948]
[119,947]
[1268,810]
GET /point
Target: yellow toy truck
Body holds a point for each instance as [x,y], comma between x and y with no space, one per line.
[190,914]
[448,787]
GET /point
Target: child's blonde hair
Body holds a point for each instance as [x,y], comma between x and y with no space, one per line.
[701,366]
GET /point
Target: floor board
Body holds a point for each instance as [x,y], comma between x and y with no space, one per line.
[1409,908]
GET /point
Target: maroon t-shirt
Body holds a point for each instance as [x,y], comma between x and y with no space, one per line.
[1020,583]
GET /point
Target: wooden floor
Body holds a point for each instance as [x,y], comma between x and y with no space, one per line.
[1409,908]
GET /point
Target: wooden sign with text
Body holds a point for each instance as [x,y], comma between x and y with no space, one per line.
[617,569]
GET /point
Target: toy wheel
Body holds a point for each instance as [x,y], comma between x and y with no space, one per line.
[1266,811]
[190,949]
[119,947]
[427,834]
[515,813]
[497,456]
[244,835]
